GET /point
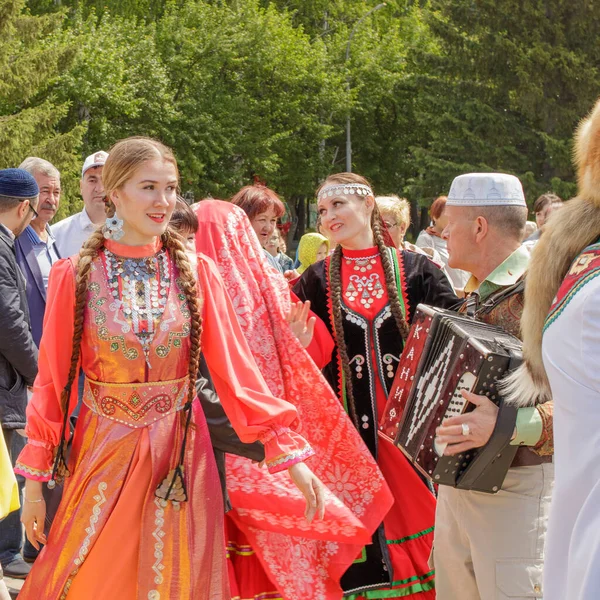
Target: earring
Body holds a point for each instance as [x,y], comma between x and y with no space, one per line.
[113,228]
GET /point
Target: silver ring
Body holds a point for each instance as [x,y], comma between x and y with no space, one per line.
[466,430]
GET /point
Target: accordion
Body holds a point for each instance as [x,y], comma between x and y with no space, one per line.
[446,353]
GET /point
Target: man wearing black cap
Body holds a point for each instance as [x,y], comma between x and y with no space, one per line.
[18,352]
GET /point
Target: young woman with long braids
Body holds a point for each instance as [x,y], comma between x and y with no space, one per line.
[141,515]
[367,291]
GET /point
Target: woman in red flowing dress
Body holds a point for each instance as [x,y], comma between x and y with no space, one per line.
[270,557]
[366,292]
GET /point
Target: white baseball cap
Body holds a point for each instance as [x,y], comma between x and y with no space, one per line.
[486,189]
[94,160]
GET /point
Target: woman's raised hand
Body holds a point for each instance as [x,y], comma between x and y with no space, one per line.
[301,325]
[312,489]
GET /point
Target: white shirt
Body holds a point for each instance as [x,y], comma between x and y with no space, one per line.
[571,352]
[72,232]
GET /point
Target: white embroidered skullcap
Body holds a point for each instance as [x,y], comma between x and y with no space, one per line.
[486,189]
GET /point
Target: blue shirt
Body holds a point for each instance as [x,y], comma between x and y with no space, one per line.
[45,252]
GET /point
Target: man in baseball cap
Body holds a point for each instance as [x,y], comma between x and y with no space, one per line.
[94,161]
[492,545]
[72,232]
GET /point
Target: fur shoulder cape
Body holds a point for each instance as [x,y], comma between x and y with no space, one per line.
[564,238]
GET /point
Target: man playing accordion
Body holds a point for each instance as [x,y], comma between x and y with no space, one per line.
[490,546]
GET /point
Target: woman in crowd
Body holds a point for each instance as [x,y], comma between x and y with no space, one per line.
[276,248]
[312,248]
[395,215]
[299,565]
[141,515]
[264,208]
[432,238]
[367,292]
[185,222]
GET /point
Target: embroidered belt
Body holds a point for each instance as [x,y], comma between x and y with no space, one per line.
[135,404]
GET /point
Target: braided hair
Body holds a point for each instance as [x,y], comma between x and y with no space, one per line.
[336,288]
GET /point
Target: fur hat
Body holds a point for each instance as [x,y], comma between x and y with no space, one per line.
[564,238]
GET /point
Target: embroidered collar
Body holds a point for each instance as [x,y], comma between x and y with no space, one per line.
[127,251]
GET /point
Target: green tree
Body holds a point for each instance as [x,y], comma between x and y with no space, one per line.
[117,84]
[254,96]
[32,55]
[504,89]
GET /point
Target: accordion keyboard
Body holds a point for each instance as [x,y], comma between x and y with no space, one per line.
[457,404]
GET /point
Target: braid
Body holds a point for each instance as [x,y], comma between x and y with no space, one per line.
[338,326]
[188,283]
[390,278]
[87,254]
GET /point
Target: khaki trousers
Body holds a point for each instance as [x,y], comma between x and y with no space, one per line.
[491,546]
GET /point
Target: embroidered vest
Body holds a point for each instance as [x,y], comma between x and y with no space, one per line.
[111,351]
[361,336]
[502,308]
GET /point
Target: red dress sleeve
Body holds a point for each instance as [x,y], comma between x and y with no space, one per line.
[252,409]
[44,414]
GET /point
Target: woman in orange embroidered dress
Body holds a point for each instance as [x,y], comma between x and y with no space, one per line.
[141,515]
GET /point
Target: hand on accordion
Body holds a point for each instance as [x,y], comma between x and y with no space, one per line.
[469,430]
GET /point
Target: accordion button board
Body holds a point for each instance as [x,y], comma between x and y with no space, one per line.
[446,353]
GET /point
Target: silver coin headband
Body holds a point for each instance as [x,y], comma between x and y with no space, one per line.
[345,189]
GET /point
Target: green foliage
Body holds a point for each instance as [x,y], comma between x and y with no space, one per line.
[249,90]
[505,88]
[255,97]
[32,55]
[117,85]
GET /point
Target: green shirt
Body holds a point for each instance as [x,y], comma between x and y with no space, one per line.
[506,273]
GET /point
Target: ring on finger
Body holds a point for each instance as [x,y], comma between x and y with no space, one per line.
[466,430]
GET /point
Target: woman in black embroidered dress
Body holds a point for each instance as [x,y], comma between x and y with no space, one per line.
[367,292]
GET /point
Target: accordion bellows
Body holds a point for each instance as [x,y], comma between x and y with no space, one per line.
[445,353]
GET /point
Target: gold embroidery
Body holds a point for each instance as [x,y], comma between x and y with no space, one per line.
[100,499]
[95,302]
[582,263]
[117,342]
[135,404]
[174,340]
[158,534]
[185,311]
[33,472]
[162,403]
[294,457]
